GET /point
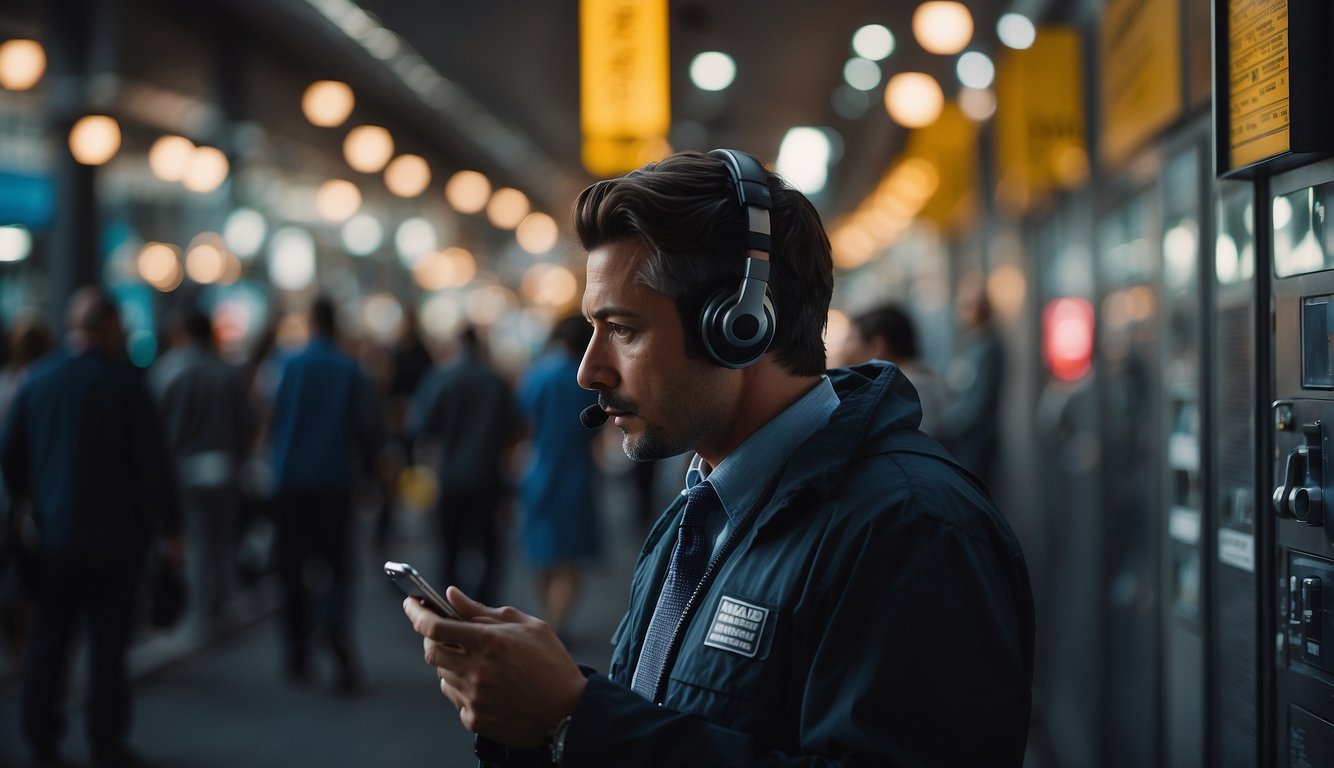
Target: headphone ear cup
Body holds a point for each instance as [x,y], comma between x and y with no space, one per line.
[722,347]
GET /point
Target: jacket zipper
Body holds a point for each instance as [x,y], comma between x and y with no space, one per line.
[675,646]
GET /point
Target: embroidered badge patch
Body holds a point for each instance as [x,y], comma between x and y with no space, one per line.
[737,627]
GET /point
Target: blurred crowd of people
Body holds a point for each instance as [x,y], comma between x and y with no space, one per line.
[239,476]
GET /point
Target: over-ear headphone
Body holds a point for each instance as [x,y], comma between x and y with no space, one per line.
[737,326]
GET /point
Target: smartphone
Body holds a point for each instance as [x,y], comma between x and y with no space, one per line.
[413,585]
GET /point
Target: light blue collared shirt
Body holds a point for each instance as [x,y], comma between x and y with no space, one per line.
[742,476]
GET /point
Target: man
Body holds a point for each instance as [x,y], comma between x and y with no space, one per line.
[84,445]
[887,332]
[863,602]
[206,412]
[970,423]
[466,407]
[326,429]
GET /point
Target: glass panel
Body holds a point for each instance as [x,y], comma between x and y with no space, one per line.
[1301,241]
[1181,375]
[1233,630]
[1129,365]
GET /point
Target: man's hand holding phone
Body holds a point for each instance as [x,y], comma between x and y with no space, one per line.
[508,675]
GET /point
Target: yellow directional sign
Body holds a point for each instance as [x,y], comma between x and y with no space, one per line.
[1140,73]
[625,103]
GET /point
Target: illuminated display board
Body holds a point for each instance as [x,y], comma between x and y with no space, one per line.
[1272,109]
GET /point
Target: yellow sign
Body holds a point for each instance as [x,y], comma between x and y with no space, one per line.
[1258,81]
[950,145]
[625,102]
[1040,119]
[1140,61]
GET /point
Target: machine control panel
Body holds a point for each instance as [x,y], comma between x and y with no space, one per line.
[1310,618]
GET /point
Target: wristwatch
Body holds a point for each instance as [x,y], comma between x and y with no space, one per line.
[556,740]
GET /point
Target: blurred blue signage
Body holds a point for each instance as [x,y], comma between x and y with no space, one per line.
[27,199]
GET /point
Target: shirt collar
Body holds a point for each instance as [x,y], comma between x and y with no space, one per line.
[739,478]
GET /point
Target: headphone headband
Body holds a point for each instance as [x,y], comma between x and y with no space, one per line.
[752,191]
[738,326]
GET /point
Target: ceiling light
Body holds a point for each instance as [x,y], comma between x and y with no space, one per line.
[15,243]
[327,103]
[914,99]
[873,41]
[1016,31]
[441,316]
[22,63]
[549,285]
[407,175]
[292,259]
[942,26]
[362,234]
[486,304]
[414,239]
[975,70]
[712,71]
[433,271]
[169,157]
[159,266]
[94,139]
[507,208]
[464,265]
[244,232]
[205,262]
[537,233]
[382,315]
[862,74]
[337,199]
[450,268]
[208,169]
[978,104]
[468,191]
[803,159]
[368,148]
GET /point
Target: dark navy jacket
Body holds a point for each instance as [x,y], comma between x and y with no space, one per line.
[875,610]
[83,440]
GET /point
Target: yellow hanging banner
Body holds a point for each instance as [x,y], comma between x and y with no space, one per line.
[1140,65]
[625,102]
[1040,120]
[950,145]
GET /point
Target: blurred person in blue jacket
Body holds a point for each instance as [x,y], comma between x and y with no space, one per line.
[560,521]
[831,588]
[84,445]
[325,432]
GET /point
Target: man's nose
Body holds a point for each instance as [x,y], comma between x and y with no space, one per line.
[595,370]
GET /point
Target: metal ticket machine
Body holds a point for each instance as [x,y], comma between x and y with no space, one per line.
[1302,499]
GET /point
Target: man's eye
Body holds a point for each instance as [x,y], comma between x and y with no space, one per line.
[619,331]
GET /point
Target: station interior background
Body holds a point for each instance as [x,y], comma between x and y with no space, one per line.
[423,157]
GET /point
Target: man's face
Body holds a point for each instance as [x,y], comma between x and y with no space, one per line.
[663,402]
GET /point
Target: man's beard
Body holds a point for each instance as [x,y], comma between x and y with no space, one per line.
[650,446]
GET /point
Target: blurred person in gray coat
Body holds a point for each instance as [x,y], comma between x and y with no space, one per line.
[206,415]
[467,408]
